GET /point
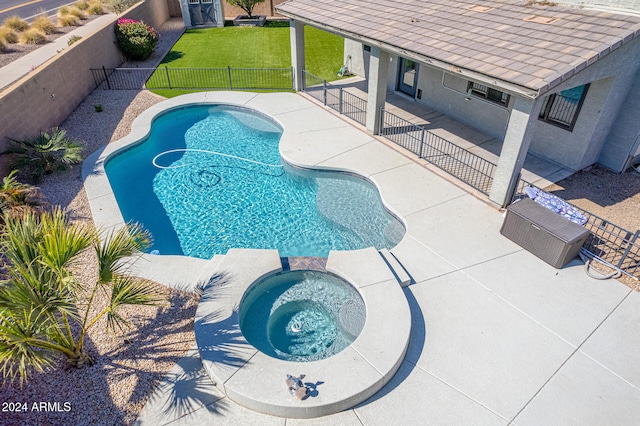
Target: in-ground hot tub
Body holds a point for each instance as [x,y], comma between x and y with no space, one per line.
[255,377]
[302,315]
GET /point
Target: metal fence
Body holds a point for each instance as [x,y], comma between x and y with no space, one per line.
[458,162]
[336,98]
[267,79]
[609,243]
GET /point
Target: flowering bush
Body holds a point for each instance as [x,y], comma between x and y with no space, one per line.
[135,38]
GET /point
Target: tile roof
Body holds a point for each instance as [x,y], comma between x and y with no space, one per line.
[506,43]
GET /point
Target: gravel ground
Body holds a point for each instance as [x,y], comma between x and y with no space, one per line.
[15,50]
[127,367]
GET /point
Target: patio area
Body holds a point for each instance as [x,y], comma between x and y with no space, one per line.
[536,170]
[498,337]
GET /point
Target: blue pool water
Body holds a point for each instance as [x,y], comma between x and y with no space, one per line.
[301,315]
[210,178]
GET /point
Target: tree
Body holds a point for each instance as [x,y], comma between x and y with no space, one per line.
[45,312]
[246,5]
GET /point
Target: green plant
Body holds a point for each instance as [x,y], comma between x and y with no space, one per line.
[97,107]
[3,45]
[45,311]
[17,198]
[15,23]
[8,35]
[45,153]
[136,39]
[73,39]
[32,36]
[119,6]
[44,24]
[246,5]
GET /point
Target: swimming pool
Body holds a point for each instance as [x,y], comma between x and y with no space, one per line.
[210,178]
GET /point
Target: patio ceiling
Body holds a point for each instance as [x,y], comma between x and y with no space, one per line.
[521,47]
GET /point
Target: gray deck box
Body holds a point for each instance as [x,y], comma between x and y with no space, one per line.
[544,233]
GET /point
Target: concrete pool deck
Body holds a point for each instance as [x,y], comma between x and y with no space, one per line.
[498,336]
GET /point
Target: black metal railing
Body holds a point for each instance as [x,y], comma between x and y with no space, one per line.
[267,79]
[473,170]
[336,97]
[609,243]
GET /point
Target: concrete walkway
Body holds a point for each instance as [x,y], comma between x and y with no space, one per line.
[24,65]
[498,336]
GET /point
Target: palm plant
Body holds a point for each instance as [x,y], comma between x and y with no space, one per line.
[16,198]
[45,312]
[45,153]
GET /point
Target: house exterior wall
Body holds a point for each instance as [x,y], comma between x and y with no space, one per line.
[607,127]
[607,4]
[611,78]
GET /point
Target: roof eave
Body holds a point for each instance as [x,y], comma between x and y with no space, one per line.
[450,68]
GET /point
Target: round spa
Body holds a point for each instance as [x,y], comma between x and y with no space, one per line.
[346,330]
[302,315]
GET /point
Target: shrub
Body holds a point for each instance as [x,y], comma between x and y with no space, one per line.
[16,23]
[82,4]
[44,24]
[66,20]
[45,153]
[32,36]
[77,12]
[8,35]
[136,39]
[3,45]
[246,5]
[95,8]
[119,6]
[17,198]
[73,39]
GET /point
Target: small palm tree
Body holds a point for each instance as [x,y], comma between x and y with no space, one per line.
[44,311]
[16,198]
[45,153]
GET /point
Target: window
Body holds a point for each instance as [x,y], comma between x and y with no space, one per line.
[366,48]
[562,109]
[488,93]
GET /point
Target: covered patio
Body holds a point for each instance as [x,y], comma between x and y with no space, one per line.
[536,170]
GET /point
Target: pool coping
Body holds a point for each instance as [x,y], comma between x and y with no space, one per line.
[104,207]
[249,377]
[257,381]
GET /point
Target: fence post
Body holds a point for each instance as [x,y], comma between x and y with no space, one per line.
[229,72]
[381,122]
[166,70]
[340,101]
[421,144]
[324,91]
[106,77]
[293,80]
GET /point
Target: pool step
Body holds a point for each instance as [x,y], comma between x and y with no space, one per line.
[398,270]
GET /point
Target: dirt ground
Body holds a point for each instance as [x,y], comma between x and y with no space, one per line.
[612,196]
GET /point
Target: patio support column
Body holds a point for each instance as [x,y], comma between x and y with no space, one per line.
[514,149]
[296,30]
[378,70]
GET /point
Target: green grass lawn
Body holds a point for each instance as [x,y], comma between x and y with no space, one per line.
[253,47]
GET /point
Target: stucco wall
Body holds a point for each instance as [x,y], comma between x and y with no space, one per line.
[265,8]
[612,77]
[605,4]
[45,97]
